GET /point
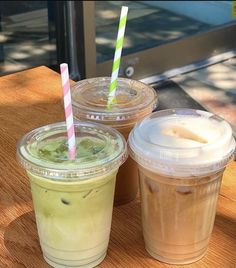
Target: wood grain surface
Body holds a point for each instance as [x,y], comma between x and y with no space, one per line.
[32,98]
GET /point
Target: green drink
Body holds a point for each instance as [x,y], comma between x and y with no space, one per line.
[73,199]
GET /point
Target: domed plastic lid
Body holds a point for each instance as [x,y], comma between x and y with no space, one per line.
[44,151]
[182,142]
[134,100]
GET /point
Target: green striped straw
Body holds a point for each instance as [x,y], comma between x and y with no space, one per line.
[117,56]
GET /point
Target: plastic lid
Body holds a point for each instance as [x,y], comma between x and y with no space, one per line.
[100,149]
[182,142]
[134,100]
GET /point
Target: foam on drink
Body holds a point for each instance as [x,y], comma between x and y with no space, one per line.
[199,138]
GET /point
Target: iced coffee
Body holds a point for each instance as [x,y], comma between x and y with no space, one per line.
[181,156]
[134,100]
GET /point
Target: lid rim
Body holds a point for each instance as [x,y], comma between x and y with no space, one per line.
[102,113]
[31,164]
[184,160]
[172,169]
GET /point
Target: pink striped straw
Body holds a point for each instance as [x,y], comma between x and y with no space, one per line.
[68,110]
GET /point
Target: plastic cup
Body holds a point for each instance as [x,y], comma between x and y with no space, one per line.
[181,155]
[134,100]
[73,199]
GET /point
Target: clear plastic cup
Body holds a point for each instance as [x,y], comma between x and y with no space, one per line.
[181,155]
[134,100]
[73,199]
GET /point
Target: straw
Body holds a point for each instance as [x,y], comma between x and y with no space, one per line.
[117,56]
[68,110]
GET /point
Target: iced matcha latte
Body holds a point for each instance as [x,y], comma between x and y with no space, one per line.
[73,199]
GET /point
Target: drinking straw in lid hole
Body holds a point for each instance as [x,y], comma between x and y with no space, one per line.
[117,56]
[68,110]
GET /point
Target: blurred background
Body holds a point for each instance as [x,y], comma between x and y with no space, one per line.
[160,36]
[183,48]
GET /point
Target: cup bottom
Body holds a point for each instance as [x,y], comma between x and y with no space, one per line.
[183,260]
[57,263]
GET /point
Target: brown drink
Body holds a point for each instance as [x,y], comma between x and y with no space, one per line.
[127,178]
[178,227]
[134,100]
[181,156]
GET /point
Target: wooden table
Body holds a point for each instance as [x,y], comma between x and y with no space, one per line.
[31,99]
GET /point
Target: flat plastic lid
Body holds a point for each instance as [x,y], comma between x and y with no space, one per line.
[134,100]
[44,151]
[182,142]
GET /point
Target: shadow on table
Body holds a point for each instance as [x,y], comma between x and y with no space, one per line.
[127,240]
[21,240]
[126,237]
[227,226]
[223,241]
[16,120]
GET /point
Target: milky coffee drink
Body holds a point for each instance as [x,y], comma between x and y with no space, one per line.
[181,155]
